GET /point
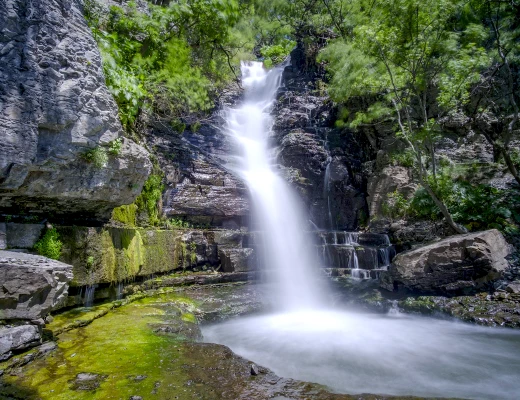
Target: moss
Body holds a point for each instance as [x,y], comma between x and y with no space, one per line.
[122,346]
[188,317]
[125,214]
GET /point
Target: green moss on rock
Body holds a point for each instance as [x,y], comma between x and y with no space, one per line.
[125,214]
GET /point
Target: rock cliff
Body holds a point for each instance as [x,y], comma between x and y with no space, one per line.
[56,115]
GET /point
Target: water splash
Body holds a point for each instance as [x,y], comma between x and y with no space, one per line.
[277,210]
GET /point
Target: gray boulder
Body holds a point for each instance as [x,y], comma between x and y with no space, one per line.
[31,286]
[457,264]
[236,260]
[54,107]
[18,338]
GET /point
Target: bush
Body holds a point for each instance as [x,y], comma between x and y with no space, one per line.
[49,245]
[477,207]
[114,147]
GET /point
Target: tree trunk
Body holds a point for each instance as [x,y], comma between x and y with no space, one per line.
[444,210]
[511,165]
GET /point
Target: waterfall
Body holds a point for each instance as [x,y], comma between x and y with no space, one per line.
[276,209]
[89,295]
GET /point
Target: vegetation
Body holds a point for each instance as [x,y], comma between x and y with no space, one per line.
[149,199]
[49,245]
[410,64]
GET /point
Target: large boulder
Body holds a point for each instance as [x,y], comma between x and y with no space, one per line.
[54,108]
[31,286]
[458,264]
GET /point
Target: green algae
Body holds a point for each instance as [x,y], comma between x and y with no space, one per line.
[125,214]
[106,255]
[121,346]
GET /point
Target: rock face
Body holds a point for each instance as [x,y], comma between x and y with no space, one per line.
[18,338]
[54,107]
[458,264]
[236,260]
[199,187]
[31,286]
[322,163]
[380,186]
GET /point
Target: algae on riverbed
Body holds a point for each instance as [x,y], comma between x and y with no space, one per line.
[120,346]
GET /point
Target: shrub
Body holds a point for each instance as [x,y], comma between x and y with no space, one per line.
[114,147]
[49,245]
[97,156]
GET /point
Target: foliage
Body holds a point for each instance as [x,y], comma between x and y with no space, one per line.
[404,159]
[125,214]
[148,200]
[275,54]
[49,245]
[177,223]
[170,60]
[476,206]
[114,147]
[97,156]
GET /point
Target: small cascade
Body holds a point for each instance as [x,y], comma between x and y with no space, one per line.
[119,291]
[356,254]
[394,309]
[89,295]
[326,183]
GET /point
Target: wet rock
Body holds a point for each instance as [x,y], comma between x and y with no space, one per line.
[236,260]
[514,287]
[139,378]
[56,107]
[3,236]
[136,398]
[17,338]
[87,381]
[457,264]
[254,370]
[31,285]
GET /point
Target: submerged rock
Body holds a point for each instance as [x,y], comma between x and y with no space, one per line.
[458,264]
[31,286]
[87,381]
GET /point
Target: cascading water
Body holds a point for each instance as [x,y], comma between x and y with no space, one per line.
[348,351]
[277,211]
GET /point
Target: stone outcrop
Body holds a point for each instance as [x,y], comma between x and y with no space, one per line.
[236,260]
[15,338]
[31,286]
[108,255]
[199,187]
[458,264]
[322,163]
[381,185]
[54,108]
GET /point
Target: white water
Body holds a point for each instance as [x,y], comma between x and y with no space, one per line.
[288,251]
[347,351]
[386,354]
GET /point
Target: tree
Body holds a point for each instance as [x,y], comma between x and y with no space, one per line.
[401,54]
[497,93]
